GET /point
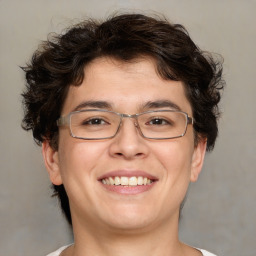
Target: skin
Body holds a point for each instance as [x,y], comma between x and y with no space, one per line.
[109,223]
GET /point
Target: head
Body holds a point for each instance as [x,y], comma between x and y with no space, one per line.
[61,63]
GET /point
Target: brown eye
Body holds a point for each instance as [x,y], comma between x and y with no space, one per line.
[94,121]
[158,121]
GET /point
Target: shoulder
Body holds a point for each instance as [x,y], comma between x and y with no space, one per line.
[58,252]
[206,253]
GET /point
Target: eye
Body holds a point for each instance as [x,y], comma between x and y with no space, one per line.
[94,121]
[158,121]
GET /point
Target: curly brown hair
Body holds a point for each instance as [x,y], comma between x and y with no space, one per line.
[60,62]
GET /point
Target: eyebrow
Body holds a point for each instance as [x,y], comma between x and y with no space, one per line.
[93,104]
[161,104]
[148,105]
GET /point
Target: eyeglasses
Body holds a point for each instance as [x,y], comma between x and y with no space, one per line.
[97,124]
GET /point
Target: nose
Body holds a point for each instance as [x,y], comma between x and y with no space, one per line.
[128,143]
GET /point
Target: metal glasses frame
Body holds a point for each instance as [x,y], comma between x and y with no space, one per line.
[66,120]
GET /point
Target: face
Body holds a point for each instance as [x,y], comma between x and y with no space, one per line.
[81,165]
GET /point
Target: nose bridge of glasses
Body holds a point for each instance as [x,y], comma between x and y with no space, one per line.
[134,116]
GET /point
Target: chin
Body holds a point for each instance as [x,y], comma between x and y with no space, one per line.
[129,224]
[129,218]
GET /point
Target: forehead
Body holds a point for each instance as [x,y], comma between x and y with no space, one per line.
[125,86]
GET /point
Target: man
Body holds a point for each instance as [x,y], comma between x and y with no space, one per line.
[125,110]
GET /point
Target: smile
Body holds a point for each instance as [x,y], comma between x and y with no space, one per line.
[127,181]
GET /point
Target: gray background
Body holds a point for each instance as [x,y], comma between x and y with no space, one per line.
[220,211]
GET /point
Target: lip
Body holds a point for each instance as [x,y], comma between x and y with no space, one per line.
[128,190]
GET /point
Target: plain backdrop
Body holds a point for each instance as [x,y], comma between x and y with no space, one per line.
[220,212]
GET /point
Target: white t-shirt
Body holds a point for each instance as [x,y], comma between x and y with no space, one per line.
[58,252]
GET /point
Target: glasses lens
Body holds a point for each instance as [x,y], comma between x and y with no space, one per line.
[163,124]
[94,124]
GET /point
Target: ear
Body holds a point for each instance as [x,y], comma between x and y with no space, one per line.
[51,161]
[198,159]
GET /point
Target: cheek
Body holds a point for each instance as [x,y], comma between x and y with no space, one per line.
[78,157]
[175,157]
[78,164]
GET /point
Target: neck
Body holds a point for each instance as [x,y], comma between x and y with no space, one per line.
[161,240]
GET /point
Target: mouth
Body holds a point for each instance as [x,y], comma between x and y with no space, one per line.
[127,181]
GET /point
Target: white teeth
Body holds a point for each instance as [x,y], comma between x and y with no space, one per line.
[126,181]
[133,181]
[117,181]
[140,180]
[111,180]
